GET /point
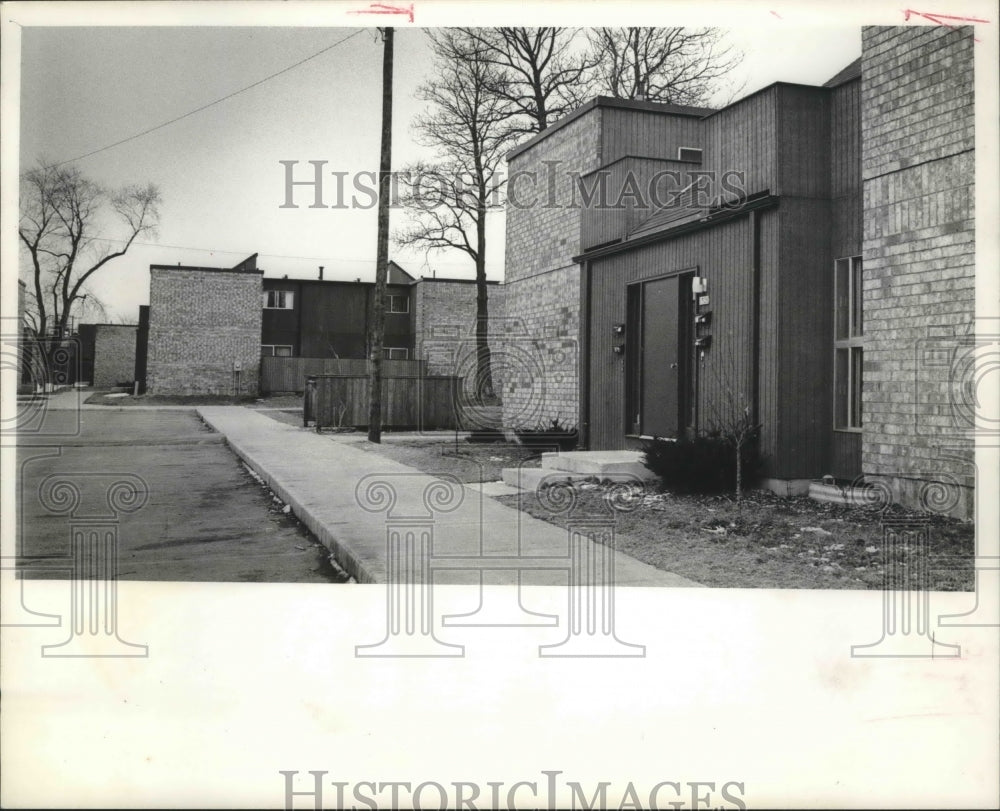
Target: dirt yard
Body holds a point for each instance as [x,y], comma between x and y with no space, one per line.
[121,397]
[468,462]
[765,542]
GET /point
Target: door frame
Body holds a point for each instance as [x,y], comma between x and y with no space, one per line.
[633,383]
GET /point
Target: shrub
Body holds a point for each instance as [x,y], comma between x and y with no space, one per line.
[553,435]
[702,464]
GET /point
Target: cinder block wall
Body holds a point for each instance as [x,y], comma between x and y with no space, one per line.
[201,321]
[444,327]
[114,354]
[542,281]
[919,252]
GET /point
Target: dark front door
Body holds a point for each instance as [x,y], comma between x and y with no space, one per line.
[660,356]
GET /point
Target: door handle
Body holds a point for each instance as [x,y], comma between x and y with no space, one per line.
[673,365]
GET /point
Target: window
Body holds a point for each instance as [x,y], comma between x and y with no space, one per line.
[275,350]
[279,300]
[689,153]
[395,353]
[848,344]
[397,304]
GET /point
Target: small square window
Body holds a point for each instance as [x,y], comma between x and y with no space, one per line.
[279,300]
[397,304]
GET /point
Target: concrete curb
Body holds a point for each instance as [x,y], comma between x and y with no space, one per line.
[341,551]
[319,480]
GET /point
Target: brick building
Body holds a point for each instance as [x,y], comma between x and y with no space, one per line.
[545,207]
[108,354]
[202,323]
[444,325]
[789,255]
[917,166]
[326,318]
[204,329]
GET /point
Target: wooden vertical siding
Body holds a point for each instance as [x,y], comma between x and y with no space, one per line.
[334,320]
[805,284]
[289,374]
[640,132]
[742,138]
[722,254]
[770,345]
[845,168]
[803,142]
[846,233]
[600,224]
[805,316]
[282,326]
[426,403]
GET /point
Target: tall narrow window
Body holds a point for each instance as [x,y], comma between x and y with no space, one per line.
[848,343]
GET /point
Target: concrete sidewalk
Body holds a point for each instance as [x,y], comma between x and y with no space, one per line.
[347,497]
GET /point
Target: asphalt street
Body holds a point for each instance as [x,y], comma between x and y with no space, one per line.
[204,516]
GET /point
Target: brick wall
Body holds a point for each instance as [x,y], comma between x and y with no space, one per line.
[541,340]
[542,281]
[919,242]
[201,321]
[445,323]
[114,354]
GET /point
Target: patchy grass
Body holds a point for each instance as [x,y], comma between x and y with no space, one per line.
[768,542]
[468,462]
[121,397]
[289,401]
[116,399]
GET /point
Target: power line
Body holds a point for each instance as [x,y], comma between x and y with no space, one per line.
[213,103]
[244,253]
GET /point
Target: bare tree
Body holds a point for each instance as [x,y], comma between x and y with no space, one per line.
[674,65]
[469,126]
[731,407]
[537,71]
[62,213]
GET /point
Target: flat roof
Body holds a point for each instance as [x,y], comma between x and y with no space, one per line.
[206,269]
[610,102]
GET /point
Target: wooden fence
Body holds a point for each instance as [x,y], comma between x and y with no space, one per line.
[289,374]
[424,403]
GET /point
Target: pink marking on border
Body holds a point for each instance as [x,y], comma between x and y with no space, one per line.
[938,19]
[384,8]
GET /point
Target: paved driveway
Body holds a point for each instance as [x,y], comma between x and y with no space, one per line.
[205,518]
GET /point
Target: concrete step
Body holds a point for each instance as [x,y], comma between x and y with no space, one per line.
[599,463]
[848,496]
[531,478]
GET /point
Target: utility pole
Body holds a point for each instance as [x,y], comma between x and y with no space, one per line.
[382,257]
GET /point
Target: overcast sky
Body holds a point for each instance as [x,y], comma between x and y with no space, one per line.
[83,89]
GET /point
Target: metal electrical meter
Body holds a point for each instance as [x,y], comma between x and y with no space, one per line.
[702,315]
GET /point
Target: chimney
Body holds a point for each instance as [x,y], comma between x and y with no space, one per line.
[321,273]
